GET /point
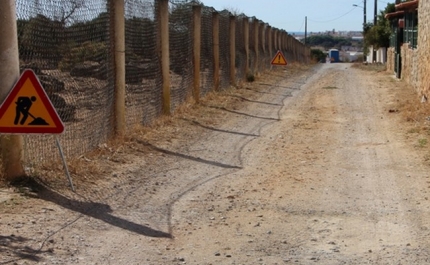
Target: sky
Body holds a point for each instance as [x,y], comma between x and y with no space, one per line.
[289,15]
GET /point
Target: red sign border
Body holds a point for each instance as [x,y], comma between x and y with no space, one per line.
[29,74]
[274,58]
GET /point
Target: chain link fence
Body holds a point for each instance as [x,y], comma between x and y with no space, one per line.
[69,45]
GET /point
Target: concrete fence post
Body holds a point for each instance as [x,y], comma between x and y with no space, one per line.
[275,43]
[263,37]
[246,43]
[165,55]
[216,50]
[290,46]
[256,25]
[279,40]
[270,41]
[197,44]
[11,145]
[284,40]
[232,50]
[281,37]
[118,28]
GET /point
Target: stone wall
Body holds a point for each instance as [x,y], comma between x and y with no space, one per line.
[423,63]
[410,64]
[391,53]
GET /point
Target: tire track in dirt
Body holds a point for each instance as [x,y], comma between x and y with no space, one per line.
[134,208]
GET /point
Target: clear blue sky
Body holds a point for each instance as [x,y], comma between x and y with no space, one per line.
[290,15]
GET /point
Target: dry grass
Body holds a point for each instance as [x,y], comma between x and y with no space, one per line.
[106,158]
[371,67]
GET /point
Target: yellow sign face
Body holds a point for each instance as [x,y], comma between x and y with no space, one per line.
[279,59]
[27,109]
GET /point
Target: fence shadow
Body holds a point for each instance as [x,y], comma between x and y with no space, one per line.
[100,211]
[220,130]
[14,246]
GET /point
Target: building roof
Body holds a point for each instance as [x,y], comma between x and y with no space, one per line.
[410,5]
[401,8]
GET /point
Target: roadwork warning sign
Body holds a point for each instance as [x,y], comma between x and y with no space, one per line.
[279,59]
[28,110]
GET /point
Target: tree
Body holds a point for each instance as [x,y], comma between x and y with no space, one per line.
[41,38]
[317,55]
[378,35]
[328,41]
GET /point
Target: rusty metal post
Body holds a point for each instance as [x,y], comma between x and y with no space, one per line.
[11,145]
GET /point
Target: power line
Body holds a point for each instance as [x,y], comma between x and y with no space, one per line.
[300,30]
[332,19]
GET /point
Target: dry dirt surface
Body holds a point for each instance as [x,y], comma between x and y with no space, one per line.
[319,165]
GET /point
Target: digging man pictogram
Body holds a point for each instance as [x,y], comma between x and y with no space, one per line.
[23,105]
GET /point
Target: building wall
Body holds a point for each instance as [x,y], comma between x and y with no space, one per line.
[416,62]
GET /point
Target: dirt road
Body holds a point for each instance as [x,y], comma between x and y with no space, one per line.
[315,167]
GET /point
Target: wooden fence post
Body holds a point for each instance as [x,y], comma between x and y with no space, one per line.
[165,56]
[216,50]
[233,50]
[246,43]
[11,145]
[118,27]
[197,44]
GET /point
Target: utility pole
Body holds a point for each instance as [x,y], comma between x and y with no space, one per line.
[364,14]
[375,20]
[306,30]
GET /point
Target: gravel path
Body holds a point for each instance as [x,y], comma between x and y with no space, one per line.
[309,169]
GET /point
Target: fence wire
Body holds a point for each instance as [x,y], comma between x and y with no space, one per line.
[224,47]
[241,58]
[142,67]
[181,50]
[206,64]
[69,44]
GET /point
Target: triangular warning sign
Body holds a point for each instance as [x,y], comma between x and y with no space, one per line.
[28,110]
[279,59]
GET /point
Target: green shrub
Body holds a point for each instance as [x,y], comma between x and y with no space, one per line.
[87,51]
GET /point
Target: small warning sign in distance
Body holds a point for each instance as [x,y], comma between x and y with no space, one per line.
[28,110]
[279,59]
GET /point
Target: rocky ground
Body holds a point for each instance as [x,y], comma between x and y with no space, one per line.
[320,165]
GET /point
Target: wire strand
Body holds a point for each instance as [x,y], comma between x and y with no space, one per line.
[325,21]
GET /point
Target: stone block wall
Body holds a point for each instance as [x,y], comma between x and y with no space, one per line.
[391,53]
[423,62]
[410,64]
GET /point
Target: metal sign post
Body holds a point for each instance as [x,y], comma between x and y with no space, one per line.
[64,162]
